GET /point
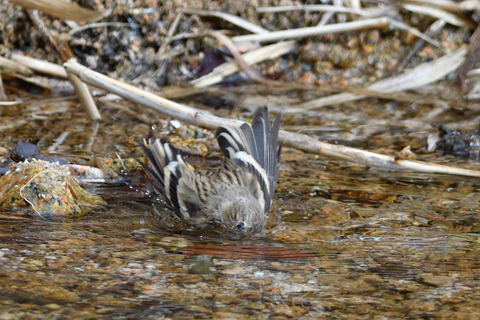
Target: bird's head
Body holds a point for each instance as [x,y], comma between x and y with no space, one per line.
[243,214]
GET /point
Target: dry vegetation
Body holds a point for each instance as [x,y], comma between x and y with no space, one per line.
[359,49]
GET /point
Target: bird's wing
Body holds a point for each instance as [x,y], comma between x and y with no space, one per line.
[255,147]
[171,177]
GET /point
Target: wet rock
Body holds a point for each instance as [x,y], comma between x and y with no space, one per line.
[434,280]
[460,143]
[47,189]
[202,265]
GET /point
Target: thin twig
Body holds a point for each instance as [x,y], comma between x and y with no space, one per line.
[432,31]
[325,18]
[329,9]
[414,31]
[451,18]
[10,103]
[161,51]
[440,4]
[40,25]
[61,139]
[308,8]
[250,58]
[242,64]
[247,25]
[315,31]
[92,134]
[189,35]
[373,12]
[101,25]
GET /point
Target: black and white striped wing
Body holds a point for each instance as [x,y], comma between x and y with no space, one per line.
[255,147]
[166,167]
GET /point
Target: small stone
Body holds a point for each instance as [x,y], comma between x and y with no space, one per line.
[234,270]
[436,281]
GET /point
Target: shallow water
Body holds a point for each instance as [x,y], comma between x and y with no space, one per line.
[344,241]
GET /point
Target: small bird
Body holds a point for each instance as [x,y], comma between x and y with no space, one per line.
[235,195]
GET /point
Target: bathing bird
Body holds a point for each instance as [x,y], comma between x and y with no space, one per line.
[234,196]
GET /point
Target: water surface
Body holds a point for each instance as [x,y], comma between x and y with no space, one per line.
[344,241]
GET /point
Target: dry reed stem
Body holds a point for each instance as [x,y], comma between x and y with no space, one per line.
[419,76]
[315,31]
[85,97]
[60,9]
[40,65]
[10,66]
[294,140]
[240,22]
[255,56]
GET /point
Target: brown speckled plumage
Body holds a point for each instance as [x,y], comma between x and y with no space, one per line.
[237,194]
